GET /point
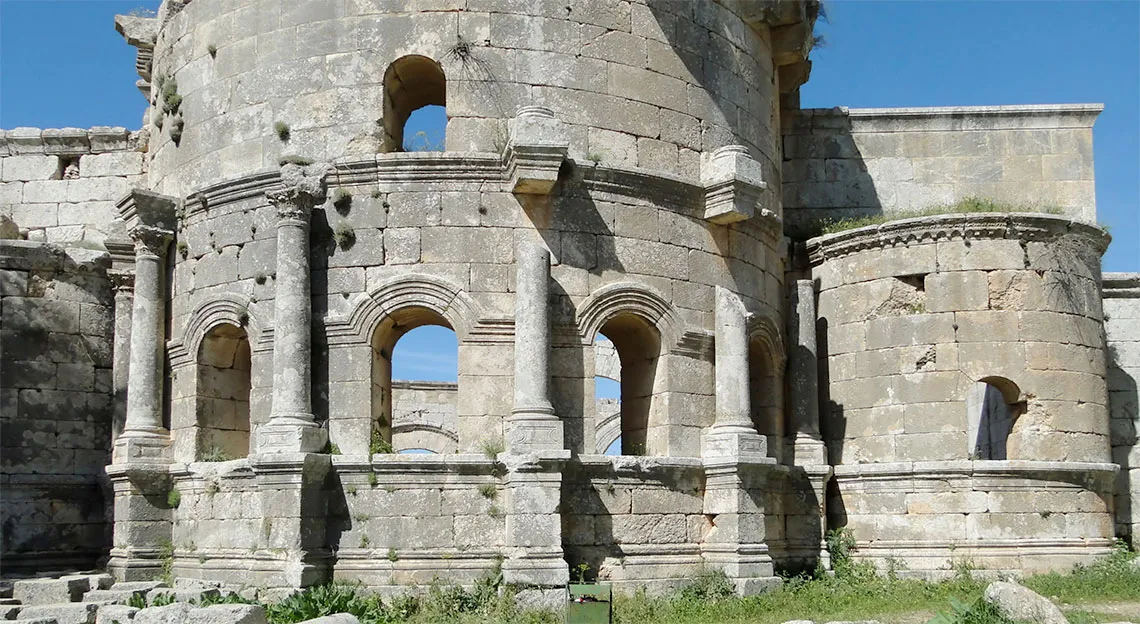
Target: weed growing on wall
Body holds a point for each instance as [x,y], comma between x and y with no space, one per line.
[968,205]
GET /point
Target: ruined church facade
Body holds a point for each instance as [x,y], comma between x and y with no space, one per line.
[199,316]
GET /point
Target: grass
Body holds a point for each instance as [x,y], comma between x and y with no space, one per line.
[851,594]
[968,205]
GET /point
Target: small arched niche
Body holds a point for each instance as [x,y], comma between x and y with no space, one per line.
[222,401]
[638,346]
[766,394]
[993,405]
[410,83]
[436,361]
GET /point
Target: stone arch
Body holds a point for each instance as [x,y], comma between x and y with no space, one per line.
[766,358]
[608,430]
[410,83]
[425,436]
[226,308]
[629,298]
[993,405]
[409,292]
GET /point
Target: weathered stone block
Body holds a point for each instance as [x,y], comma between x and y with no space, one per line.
[960,290]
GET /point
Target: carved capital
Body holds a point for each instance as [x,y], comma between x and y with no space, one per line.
[150,241]
[292,204]
[122,281]
[302,188]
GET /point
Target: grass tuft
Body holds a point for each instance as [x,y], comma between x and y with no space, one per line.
[968,205]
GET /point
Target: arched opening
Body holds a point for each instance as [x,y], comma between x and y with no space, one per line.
[638,347]
[766,395]
[222,401]
[410,84]
[414,383]
[607,397]
[993,405]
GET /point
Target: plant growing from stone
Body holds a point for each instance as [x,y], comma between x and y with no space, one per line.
[212,50]
[492,447]
[344,236]
[173,499]
[495,512]
[393,556]
[342,200]
[281,129]
[378,445]
[183,249]
[364,541]
[372,480]
[215,453]
[488,491]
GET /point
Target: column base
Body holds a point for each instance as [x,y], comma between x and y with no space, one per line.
[293,436]
[736,445]
[141,448]
[809,451]
[533,431]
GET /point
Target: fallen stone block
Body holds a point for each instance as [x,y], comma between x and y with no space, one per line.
[336,618]
[45,620]
[96,580]
[109,614]
[1021,603]
[229,614]
[5,589]
[177,613]
[65,613]
[181,595]
[9,612]
[50,591]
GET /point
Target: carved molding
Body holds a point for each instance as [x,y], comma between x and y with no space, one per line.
[970,226]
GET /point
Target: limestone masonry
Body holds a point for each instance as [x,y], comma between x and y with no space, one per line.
[199,316]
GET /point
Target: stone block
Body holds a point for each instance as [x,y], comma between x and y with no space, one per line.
[959,290]
[73,613]
[900,331]
[109,614]
[111,164]
[47,591]
[27,167]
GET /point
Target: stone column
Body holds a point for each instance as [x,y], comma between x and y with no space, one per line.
[735,459]
[292,426]
[123,283]
[803,373]
[532,425]
[732,434]
[143,437]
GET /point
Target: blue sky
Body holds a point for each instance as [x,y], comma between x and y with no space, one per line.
[63,64]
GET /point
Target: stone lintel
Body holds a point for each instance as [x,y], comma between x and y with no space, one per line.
[734,185]
[535,151]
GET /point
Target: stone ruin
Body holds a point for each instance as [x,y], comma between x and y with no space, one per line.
[199,316]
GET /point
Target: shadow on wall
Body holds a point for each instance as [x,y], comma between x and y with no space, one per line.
[1124,403]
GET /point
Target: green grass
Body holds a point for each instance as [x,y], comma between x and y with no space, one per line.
[851,594]
[968,205]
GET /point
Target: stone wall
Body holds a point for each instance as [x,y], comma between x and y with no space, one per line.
[56,407]
[845,162]
[676,79]
[1122,328]
[61,185]
[423,416]
[913,315]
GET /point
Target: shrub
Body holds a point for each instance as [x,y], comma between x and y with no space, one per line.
[968,205]
[342,200]
[281,129]
[378,445]
[173,498]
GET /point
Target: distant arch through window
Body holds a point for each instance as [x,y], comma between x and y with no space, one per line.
[410,83]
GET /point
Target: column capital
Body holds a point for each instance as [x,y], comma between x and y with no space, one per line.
[150,241]
[122,281]
[302,188]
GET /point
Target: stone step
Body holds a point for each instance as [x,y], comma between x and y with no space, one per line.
[109,614]
[66,613]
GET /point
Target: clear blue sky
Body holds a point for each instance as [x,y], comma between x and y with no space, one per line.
[63,64]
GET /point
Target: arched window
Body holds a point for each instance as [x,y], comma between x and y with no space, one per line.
[638,346]
[410,84]
[993,405]
[222,405]
[419,344]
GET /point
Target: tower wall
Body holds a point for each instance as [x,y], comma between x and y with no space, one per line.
[916,313]
[644,84]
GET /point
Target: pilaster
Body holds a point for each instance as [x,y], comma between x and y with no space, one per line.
[142,520]
[294,508]
[533,488]
[537,146]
